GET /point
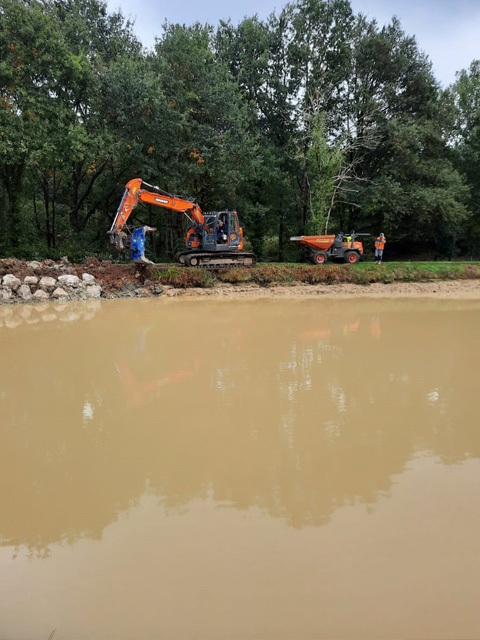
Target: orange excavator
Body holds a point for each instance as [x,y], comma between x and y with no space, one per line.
[214,240]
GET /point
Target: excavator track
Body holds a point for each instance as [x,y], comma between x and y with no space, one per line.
[215,260]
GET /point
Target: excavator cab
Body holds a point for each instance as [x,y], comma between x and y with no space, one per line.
[221,231]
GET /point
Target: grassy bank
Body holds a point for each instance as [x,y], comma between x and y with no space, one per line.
[289,274]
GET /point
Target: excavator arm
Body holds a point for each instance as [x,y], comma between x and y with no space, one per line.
[137,191]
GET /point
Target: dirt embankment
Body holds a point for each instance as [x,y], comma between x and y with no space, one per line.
[25,282]
[112,277]
[28,282]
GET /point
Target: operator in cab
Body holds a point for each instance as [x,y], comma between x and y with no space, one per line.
[338,239]
[221,235]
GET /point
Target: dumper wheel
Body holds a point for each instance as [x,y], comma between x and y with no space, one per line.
[320,257]
[352,257]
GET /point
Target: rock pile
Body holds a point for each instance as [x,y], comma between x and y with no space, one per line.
[33,288]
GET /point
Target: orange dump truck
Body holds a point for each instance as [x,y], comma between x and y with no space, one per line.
[343,247]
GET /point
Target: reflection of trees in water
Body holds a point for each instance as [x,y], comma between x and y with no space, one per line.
[297,417]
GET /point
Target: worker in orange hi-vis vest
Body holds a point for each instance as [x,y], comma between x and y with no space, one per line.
[379,245]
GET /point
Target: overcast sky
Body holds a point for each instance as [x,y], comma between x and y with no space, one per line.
[448,31]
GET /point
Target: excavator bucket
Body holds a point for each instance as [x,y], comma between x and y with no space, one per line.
[118,238]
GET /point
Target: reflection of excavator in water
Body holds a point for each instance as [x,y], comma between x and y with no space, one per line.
[214,240]
[139,391]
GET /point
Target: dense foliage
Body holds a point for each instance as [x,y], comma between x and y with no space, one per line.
[315,119]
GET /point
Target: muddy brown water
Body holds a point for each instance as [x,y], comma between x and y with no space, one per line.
[240,469]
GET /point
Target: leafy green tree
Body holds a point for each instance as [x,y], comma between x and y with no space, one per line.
[210,150]
[324,165]
[417,195]
[259,57]
[53,121]
[310,119]
[95,40]
[410,187]
[25,76]
[321,63]
[465,94]
[321,55]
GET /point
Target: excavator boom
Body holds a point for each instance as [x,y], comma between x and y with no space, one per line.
[135,193]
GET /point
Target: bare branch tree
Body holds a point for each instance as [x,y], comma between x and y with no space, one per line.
[342,151]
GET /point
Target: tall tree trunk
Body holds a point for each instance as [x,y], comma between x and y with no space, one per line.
[35,214]
[12,180]
[53,208]
[74,211]
[281,234]
[46,199]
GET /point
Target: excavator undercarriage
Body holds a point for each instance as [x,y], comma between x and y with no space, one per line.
[217,260]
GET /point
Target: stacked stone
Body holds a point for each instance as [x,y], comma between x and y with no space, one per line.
[35,289]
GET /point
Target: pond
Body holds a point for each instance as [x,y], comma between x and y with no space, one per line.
[240,469]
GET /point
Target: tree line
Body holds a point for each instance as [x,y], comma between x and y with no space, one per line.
[314,120]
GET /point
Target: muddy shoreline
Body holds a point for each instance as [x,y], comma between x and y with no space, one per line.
[456,289]
[23,282]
